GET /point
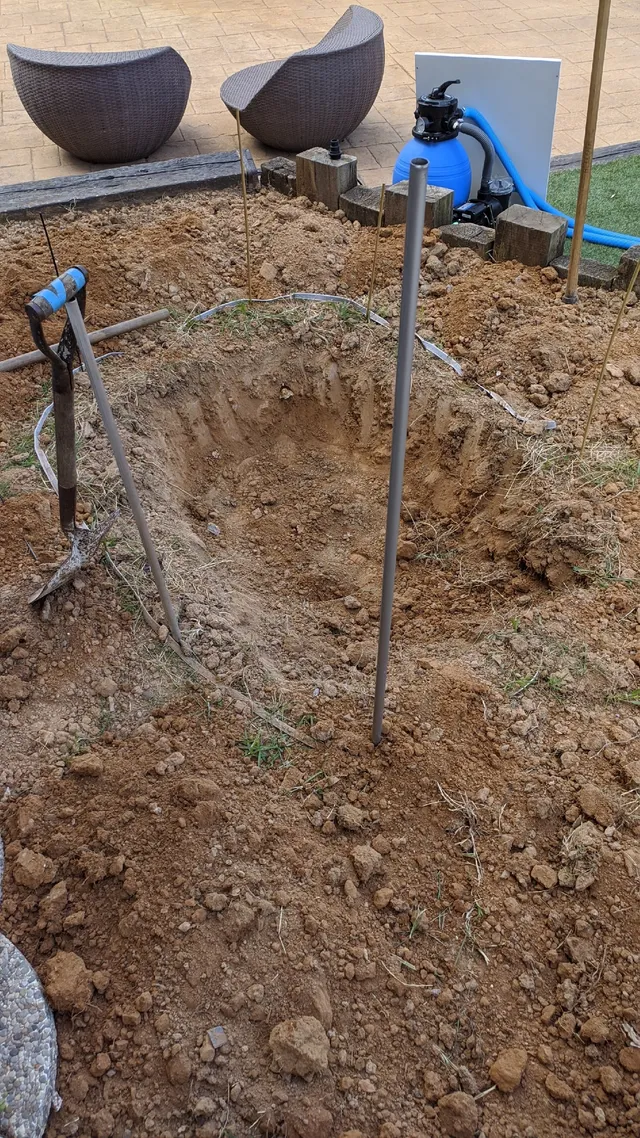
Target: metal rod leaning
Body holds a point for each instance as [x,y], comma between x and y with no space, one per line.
[246,207]
[110,426]
[94,338]
[406,342]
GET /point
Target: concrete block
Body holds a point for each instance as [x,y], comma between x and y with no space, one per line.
[280,175]
[438,208]
[626,268]
[529,236]
[468,235]
[362,204]
[323,179]
[591,274]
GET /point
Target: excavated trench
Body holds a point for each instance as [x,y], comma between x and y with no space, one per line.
[265,475]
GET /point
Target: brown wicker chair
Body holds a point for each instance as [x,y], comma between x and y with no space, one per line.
[103,106]
[314,95]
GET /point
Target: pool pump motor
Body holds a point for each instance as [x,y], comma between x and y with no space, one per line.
[439,123]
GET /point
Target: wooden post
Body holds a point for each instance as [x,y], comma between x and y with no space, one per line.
[599,48]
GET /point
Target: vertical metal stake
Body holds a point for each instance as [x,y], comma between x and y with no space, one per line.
[406,343]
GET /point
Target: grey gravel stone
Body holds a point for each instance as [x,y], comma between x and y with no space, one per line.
[28,1045]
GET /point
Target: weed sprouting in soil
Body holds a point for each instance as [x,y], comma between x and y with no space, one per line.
[417,919]
[267,751]
[632,697]
[21,453]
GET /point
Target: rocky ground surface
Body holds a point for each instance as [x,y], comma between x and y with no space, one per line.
[240,934]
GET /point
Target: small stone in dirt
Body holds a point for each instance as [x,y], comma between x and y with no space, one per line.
[611,1080]
[102,1124]
[300,1046]
[558,1089]
[292,777]
[349,817]
[216,902]
[458,1115]
[406,550]
[322,731]
[101,981]
[352,603]
[382,897]
[217,1037]
[238,921]
[433,1085]
[204,1107]
[179,1069]
[593,741]
[595,1030]
[100,1065]
[594,803]
[13,688]
[268,271]
[315,1001]
[207,1052]
[545,875]
[52,905]
[308,1121]
[629,1058]
[350,891]
[106,687]
[11,638]
[557,382]
[144,1002]
[631,859]
[32,869]
[508,1068]
[366,862]
[632,372]
[67,982]
[90,766]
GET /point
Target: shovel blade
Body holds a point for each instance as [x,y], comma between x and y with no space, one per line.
[85,544]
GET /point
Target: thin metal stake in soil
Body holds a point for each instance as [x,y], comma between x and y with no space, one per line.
[246,207]
[625,301]
[89,360]
[406,341]
[375,249]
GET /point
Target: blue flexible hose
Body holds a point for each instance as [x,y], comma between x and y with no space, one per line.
[534,201]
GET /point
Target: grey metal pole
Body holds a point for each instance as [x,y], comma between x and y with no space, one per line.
[111,427]
[406,342]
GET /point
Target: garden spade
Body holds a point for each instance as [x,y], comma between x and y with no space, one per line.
[84,541]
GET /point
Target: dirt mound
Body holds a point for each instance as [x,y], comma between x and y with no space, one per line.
[245,935]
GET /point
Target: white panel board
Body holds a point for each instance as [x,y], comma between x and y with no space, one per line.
[517,96]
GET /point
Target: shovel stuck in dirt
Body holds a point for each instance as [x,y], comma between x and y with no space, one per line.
[69,290]
[84,542]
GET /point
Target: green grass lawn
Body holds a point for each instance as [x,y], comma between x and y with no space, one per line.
[614,201]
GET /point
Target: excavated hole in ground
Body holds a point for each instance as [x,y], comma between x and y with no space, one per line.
[285,452]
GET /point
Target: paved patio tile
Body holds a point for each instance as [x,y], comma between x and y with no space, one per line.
[217,37]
